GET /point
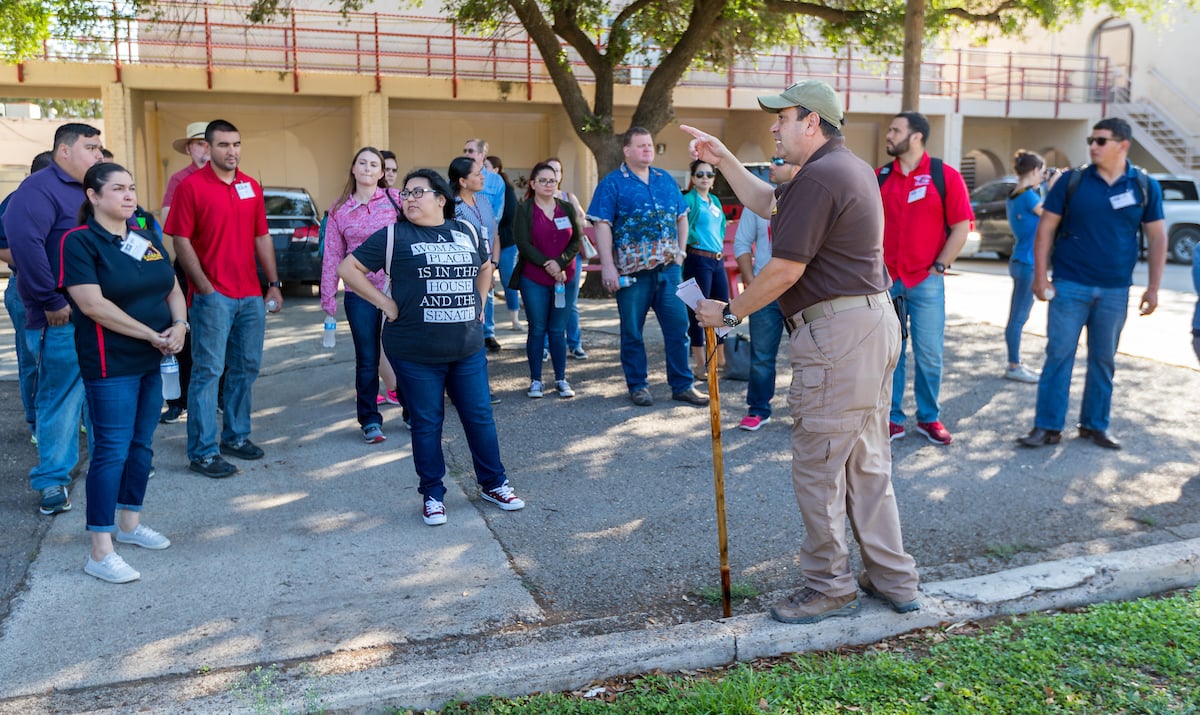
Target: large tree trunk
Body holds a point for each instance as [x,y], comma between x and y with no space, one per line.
[914,40]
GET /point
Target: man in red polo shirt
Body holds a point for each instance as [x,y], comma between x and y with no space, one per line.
[927,213]
[219,223]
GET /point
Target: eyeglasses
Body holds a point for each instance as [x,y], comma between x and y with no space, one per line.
[704,174]
[1101,141]
[778,161]
[416,193]
[546,182]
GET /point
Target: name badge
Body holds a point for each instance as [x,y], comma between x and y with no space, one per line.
[486,233]
[1120,201]
[916,194]
[134,246]
[562,223]
[245,189]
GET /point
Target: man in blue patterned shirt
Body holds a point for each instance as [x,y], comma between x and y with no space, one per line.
[641,233]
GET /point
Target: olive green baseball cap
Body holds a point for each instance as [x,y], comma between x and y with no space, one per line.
[812,94]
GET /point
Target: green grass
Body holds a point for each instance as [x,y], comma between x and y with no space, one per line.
[712,595]
[1136,657]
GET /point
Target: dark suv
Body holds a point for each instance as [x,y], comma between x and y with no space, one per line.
[295,225]
[729,200]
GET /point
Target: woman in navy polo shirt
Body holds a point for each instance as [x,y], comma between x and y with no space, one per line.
[128,312]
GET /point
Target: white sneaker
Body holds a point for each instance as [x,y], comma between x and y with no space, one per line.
[144,537]
[434,512]
[112,569]
[1020,373]
[564,388]
[535,389]
[503,497]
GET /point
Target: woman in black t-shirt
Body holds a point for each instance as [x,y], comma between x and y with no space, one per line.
[128,313]
[438,270]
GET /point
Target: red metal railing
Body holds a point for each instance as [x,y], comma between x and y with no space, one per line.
[316,41]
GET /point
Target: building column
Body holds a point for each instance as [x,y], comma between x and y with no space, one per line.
[118,134]
[952,140]
[370,121]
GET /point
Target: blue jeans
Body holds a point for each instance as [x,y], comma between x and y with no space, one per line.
[766,328]
[227,335]
[508,261]
[425,387]
[366,326]
[489,311]
[1018,308]
[546,323]
[124,414]
[26,363]
[59,405]
[710,277]
[574,335]
[655,289]
[927,330]
[1074,306]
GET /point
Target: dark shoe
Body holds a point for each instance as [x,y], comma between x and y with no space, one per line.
[809,606]
[493,345]
[171,415]
[1038,437]
[213,467]
[242,450]
[1100,437]
[55,500]
[692,396]
[642,397]
[864,582]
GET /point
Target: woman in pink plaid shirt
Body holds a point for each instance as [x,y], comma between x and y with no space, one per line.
[365,206]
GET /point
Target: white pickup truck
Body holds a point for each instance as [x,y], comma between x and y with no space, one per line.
[1181,209]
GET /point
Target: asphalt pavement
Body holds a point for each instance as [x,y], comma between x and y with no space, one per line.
[317,555]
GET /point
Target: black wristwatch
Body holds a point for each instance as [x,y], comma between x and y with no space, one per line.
[939,267]
[275,284]
[730,319]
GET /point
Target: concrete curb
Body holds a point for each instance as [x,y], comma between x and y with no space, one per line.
[573,663]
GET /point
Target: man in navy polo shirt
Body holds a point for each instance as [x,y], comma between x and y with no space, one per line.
[43,208]
[1095,248]
[641,232]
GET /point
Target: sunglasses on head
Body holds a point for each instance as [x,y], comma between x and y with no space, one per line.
[778,161]
[1101,141]
[704,174]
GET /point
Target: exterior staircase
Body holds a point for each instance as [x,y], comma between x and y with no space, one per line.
[1163,131]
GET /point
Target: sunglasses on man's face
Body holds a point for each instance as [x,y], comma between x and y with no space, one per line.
[704,174]
[778,161]
[1100,141]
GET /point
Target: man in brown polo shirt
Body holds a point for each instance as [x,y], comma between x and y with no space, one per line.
[827,272]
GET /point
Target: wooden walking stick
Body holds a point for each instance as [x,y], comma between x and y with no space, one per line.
[714,418]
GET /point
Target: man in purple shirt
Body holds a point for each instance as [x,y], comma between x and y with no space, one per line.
[44,207]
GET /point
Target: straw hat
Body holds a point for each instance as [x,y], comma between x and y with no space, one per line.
[195,130]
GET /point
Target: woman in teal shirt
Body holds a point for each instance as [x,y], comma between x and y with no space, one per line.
[705,260]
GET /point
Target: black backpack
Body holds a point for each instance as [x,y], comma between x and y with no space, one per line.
[937,172]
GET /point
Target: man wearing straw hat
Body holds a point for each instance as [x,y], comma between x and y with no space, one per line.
[827,272]
[193,146]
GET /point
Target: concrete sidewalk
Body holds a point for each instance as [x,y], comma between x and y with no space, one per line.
[317,554]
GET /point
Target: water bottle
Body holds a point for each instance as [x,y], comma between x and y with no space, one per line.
[169,367]
[329,337]
[626,281]
[272,305]
[560,295]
